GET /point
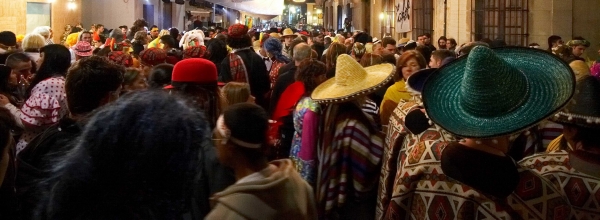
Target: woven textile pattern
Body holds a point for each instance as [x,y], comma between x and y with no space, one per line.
[398,139]
[581,190]
[423,191]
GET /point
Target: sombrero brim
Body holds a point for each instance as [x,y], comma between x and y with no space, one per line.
[417,80]
[330,92]
[551,85]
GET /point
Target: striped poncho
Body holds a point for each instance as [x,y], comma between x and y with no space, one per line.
[349,153]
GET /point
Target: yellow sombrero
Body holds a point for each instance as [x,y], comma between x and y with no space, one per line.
[352,80]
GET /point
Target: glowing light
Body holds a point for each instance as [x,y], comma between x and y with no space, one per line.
[381,16]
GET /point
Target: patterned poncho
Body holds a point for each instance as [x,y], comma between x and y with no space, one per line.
[349,153]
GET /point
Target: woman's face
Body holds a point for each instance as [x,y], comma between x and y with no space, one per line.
[410,67]
[442,43]
[449,44]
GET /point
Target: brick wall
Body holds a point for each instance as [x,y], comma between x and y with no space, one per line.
[13,14]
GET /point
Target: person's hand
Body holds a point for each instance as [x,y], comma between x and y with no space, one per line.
[3,100]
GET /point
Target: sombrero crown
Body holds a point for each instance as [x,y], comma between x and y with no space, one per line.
[497,92]
[352,80]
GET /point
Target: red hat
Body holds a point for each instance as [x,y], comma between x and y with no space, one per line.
[121,58]
[305,33]
[194,70]
[237,30]
[83,49]
[194,52]
[153,56]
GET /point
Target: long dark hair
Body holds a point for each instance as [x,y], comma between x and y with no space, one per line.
[57,60]
[217,50]
[130,162]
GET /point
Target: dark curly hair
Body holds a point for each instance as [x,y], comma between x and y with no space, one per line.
[89,81]
[307,73]
[238,43]
[130,162]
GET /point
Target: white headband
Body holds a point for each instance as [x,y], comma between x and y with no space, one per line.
[226,133]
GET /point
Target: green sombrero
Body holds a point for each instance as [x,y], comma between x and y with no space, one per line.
[496,92]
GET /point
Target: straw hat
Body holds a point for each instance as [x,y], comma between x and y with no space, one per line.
[497,92]
[288,32]
[352,80]
[584,109]
[275,35]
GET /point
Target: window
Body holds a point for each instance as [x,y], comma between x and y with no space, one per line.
[340,22]
[500,19]
[422,17]
[38,14]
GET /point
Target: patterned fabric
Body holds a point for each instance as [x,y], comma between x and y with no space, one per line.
[194,52]
[274,72]
[349,154]
[549,131]
[153,56]
[558,144]
[121,58]
[423,191]
[581,190]
[595,69]
[237,31]
[45,107]
[239,73]
[304,143]
[398,141]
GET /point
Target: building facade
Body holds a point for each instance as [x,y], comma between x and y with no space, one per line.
[518,22]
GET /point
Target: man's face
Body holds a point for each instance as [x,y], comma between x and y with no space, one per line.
[578,50]
[390,48]
[100,29]
[288,40]
[320,39]
[421,40]
[154,33]
[23,69]
[124,30]
[434,62]
[87,37]
[426,40]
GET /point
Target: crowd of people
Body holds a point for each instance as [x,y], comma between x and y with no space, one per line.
[142,123]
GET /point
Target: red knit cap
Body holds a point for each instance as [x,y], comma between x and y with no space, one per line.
[194,52]
[194,70]
[153,56]
[237,30]
[121,58]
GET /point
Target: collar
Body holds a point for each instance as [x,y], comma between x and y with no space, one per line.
[241,49]
[264,173]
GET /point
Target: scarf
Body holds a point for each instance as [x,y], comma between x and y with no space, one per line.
[239,73]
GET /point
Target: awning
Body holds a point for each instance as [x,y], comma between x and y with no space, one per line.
[265,9]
